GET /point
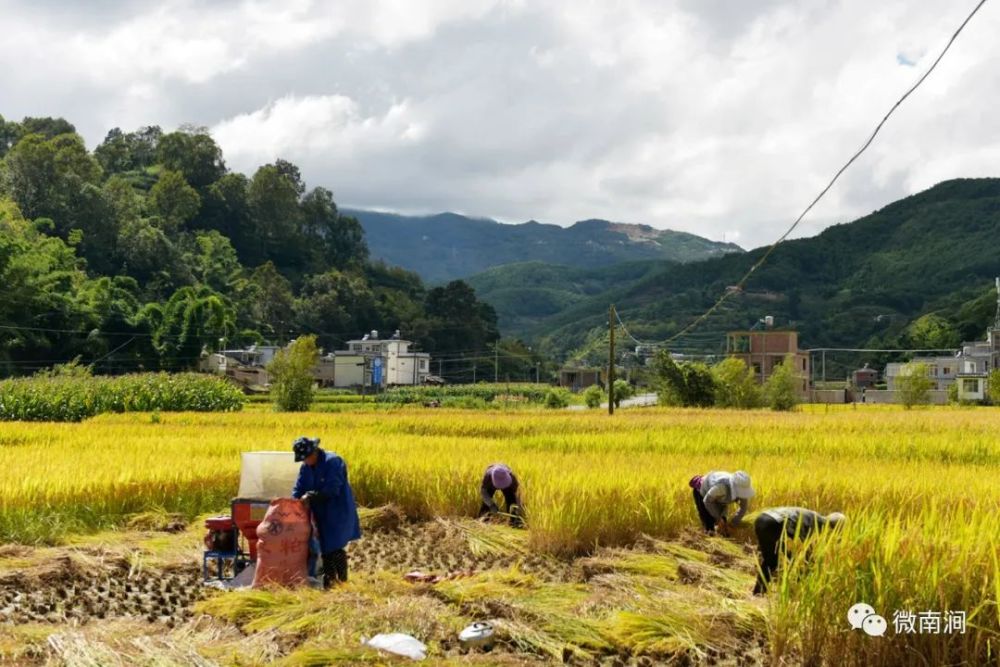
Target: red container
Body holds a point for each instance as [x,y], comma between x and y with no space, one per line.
[220,523]
[247,515]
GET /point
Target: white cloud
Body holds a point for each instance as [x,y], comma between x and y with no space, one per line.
[714,117]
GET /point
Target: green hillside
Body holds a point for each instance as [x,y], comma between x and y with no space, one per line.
[858,283]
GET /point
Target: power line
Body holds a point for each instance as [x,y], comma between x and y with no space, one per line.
[739,285]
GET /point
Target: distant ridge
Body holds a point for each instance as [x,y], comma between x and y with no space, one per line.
[446,246]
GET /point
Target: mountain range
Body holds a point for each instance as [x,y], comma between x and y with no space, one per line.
[861,283]
[447,246]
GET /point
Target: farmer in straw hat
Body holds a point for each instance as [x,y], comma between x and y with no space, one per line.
[323,484]
[773,524]
[499,477]
[715,491]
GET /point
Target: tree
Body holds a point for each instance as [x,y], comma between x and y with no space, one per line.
[192,320]
[225,207]
[932,332]
[780,390]
[340,239]
[993,387]
[8,135]
[274,207]
[457,322]
[210,258]
[124,152]
[686,384]
[44,291]
[914,385]
[291,373]
[194,154]
[333,305]
[269,302]
[735,385]
[174,201]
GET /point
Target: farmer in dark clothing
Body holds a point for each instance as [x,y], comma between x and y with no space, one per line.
[715,491]
[774,525]
[323,484]
[499,477]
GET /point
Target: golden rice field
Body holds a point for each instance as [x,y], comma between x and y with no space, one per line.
[919,487]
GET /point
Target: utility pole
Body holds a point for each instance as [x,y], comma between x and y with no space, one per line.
[538,369]
[611,360]
[496,364]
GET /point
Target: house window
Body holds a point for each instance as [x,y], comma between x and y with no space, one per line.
[970,386]
[946,371]
[803,364]
[756,368]
[741,343]
[423,364]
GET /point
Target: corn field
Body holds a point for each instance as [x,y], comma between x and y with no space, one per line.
[918,487]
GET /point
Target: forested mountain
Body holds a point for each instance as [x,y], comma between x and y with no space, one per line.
[447,246]
[148,249]
[916,273]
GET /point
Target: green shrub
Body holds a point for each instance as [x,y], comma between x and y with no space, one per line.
[623,390]
[592,396]
[292,375]
[73,398]
[556,398]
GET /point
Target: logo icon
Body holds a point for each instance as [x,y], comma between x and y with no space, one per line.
[862,616]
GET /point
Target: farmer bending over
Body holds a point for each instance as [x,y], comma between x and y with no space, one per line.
[715,491]
[323,484]
[792,522]
[499,477]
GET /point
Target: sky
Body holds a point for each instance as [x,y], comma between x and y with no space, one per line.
[719,117]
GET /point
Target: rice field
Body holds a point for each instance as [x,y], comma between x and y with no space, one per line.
[919,488]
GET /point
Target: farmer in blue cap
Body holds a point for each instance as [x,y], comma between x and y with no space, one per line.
[323,484]
[499,477]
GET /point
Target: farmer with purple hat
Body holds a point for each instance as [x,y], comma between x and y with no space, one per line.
[500,477]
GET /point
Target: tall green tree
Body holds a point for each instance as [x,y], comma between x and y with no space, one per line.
[193,153]
[274,207]
[914,385]
[291,375]
[174,201]
[781,388]
[735,385]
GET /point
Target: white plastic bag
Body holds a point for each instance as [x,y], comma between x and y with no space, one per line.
[398,643]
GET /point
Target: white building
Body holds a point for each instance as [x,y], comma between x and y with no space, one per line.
[978,359]
[400,366]
[942,371]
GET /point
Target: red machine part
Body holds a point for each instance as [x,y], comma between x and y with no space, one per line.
[247,513]
[221,535]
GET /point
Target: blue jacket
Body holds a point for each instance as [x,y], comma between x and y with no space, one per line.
[335,512]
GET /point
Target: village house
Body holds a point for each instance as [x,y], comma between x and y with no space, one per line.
[357,366]
[764,350]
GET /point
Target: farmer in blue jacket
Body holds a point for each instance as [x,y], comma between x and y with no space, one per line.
[323,484]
